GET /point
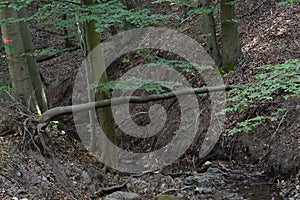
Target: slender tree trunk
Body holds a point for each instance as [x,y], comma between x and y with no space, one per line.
[211,38]
[97,68]
[26,80]
[185,8]
[66,33]
[32,64]
[231,48]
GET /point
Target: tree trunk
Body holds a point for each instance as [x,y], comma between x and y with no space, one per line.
[98,74]
[66,33]
[26,80]
[211,38]
[33,68]
[231,48]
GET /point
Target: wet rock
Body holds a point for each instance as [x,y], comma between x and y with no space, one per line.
[122,195]
[212,170]
[190,181]
[92,188]
[237,176]
[205,166]
[20,192]
[86,177]
[158,176]
[207,163]
[205,190]
[167,197]
[179,195]
[228,195]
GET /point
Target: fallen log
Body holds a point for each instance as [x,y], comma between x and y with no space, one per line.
[58,111]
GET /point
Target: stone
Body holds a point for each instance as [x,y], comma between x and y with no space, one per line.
[167,197]
[86,177]
[122,195]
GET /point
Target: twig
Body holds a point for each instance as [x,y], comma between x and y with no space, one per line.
[57,54]
[10,96]
[283,117]
[5,133]
[31,136]
[47,31]
[70,2]
[177,189]
[117,187]
[185,19]
[11,179]
[178,174]
[224,168]
[252,11]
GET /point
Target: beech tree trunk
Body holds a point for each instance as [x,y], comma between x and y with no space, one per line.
[26,80]
[231,48]
[211,38]
[97,67]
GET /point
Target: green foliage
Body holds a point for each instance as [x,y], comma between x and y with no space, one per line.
[181,130]
[246,102]
[53,124]
[230,21]
[200,11]
[126,60]
[17,5]
[132,83]
[106,14]
[48,52]
[230,3]
[2,89]
[179,65]
[4,86]
[287,2]
[226,68]
[174,2]
[172,64]
[191,5]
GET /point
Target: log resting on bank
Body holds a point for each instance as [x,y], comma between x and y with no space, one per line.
[58,111]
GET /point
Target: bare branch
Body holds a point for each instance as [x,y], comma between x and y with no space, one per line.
[58,111]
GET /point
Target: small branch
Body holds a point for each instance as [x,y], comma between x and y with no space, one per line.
[58,54]
[12,180]
[58,111]
[117,187]
[252,11]
[70,2]
[192,187]
[47,31]
[283,117]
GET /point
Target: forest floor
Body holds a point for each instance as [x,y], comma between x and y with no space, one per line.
[260,165]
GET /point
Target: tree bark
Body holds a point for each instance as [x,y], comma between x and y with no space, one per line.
[98,74]
[32,63]
[58,111]
[26,80]
[211,38]
[231,48]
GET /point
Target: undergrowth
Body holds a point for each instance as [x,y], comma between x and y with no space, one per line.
[263,101]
